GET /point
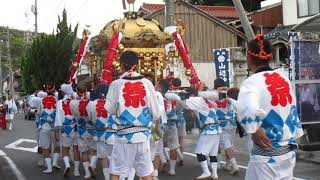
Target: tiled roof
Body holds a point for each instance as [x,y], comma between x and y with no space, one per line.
[225,12]
[221,12]
[152,7]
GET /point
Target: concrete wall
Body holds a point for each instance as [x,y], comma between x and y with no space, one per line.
[290,13]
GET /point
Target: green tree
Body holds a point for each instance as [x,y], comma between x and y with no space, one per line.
[249,5]
[49,57]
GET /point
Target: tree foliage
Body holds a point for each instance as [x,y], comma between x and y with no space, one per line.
[49,57]
[249,5]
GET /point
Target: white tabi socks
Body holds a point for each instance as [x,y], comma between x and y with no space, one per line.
[205,170]
[49,166]
[214,173]
[55,160]
[180,155]
[172,170]
[67,166]
[92,167]
[235,168]
[10,125]
[155,174]
[106,173]
[86,170]
[166,154]
[76,171]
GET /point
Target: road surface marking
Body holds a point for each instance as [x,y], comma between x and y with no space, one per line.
[13,166]
[15,144]
[240,166]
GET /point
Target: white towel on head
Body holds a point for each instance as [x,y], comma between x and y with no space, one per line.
[67,89]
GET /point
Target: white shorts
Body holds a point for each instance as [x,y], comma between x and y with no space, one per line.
[47,138]
[170,138]
[104,150]
[226,138]
[265,171]
[208,145]
[85,144]
[156,148]
[68,141]
[182,132]
[127,156]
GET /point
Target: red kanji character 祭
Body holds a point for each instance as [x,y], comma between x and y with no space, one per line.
[49,102]
[83,107]
[279,89]
[101,110]
[133,94]
[66,107]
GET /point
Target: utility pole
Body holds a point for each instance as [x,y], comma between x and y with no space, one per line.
[34,9]
[10,63]
[244,20]
[169,12]
[1,89]
[36,15]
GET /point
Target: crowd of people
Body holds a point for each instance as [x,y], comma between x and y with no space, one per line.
[136,128]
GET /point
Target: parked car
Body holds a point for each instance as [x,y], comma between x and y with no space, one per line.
[29,112]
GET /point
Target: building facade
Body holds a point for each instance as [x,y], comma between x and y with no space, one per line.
[298,11]
[206,29]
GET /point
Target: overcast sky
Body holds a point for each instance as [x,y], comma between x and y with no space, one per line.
[17,13]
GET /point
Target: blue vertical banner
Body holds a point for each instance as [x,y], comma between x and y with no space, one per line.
[294,54]
[221,58]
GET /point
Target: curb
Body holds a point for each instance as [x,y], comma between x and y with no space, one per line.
[313,156]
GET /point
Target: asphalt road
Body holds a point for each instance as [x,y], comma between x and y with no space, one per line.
[19,157]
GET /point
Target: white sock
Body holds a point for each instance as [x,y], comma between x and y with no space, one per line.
[76,168]
[166,154]
[204,167]
[10,125]
[86,169]
[66,161]
[55,158]
[106,173]
[48,163]
[172,166]
[180,155]
[155,173]
[234,163]
[93,161]
[132,174]
[214,167]
[162,158]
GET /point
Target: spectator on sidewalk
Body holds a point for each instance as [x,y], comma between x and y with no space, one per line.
[11,110]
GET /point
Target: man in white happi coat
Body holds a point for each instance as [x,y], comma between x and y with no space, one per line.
[225,109]
[47,138]
[104,126]
[85,131]
[181,122]
[133,100]
[157,151]
[11,110]
[171,135]
[210,130]
[66,123]
[267,110]
[33,101]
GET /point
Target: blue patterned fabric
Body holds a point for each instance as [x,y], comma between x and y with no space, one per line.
[209,123]
[143,119]
[45,118]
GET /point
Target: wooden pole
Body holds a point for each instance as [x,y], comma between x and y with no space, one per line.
[244,20]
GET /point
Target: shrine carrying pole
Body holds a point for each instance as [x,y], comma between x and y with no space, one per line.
[244,20]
